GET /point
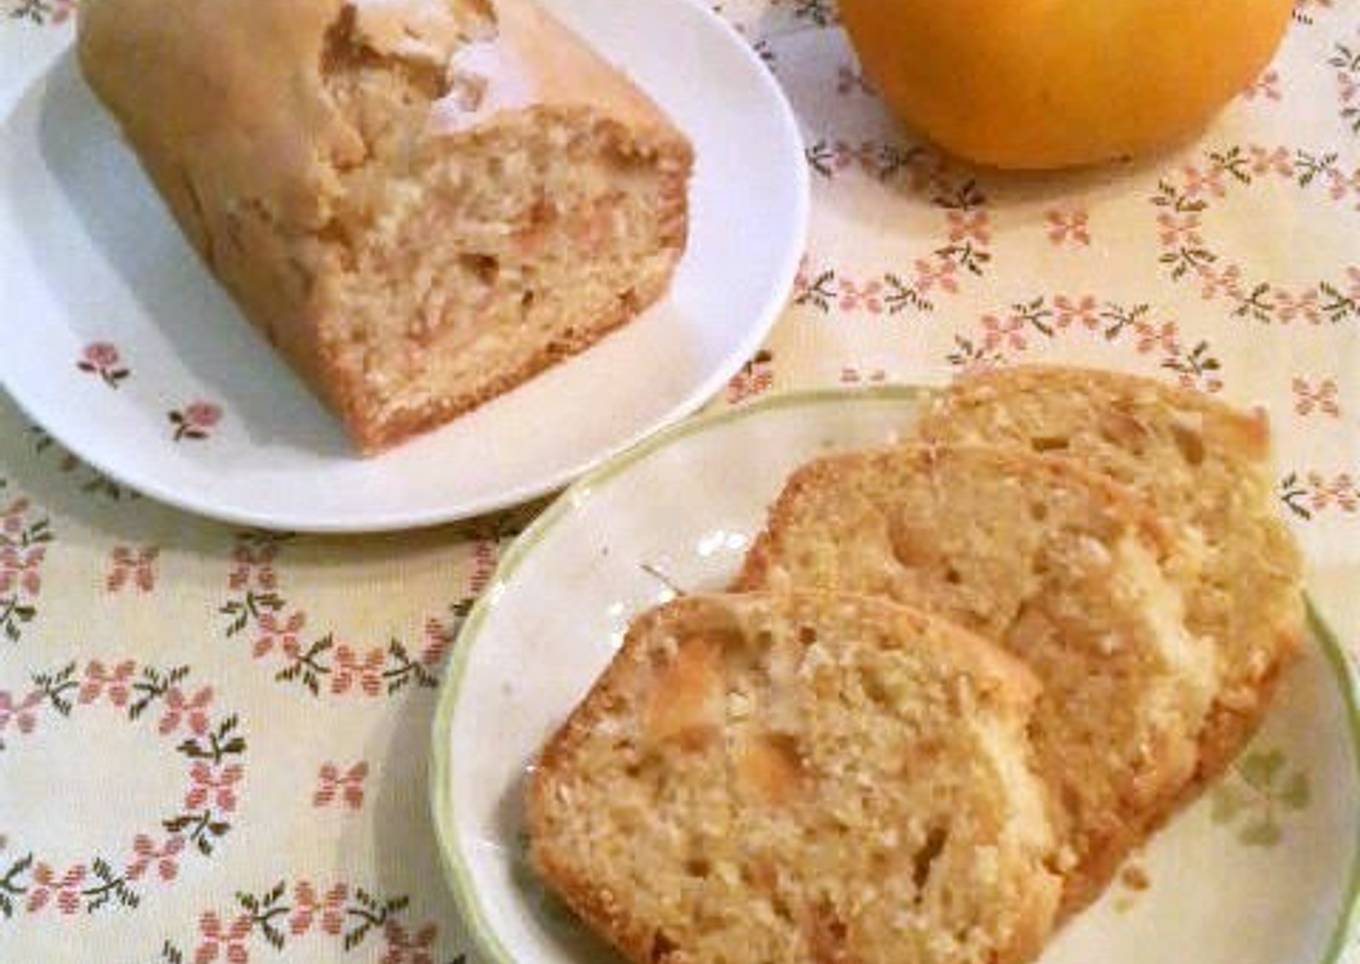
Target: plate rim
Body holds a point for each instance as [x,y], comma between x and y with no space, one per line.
[458,876]
[763,321]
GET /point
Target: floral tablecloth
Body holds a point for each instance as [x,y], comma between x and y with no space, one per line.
[213,742]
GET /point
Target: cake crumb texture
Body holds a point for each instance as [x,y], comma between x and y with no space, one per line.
[1205,469]
[1063,568]
[800,778]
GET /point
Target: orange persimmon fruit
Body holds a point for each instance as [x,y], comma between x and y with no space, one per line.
[1039,84]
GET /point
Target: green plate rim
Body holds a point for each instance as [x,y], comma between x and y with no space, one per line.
[456,872]
[1345,674]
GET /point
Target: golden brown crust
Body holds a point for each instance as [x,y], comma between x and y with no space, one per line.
[600,910]
[1227,730]
[1003,681]
[1249,432]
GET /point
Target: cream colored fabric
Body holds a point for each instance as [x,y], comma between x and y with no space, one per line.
[330,797]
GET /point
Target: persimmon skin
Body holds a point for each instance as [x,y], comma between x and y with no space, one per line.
[1042,84]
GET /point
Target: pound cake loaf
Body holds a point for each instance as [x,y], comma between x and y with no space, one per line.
[421,203]
[1205,468]
[802,779]
[1058,565]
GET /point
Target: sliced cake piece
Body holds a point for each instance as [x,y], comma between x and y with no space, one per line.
[800,779]
[1058,565]
[421,203]
[1205,468]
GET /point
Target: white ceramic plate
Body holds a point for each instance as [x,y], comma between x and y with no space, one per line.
[208,419]
[1261,871]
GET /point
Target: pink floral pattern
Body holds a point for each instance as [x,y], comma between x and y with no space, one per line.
[931,275]
[194,421]
[1344,185]
[866,296]
[217,784]
[1069,227]
[146,854]
[1306,306]
[854,375]
[1346,59]
[1264,87]
[887,295]
[333,785]
[917,169]
[254,564]
[1313,493]
[116,682]
[349,916]
[1002,337]
[101,358]
[966,234]
[1199,183]
[227,941]
[1322,399]
[192,709]
[282,631]
[352,669]
[1158,336]
[404,948]
[1083,310]
[1179,230]
[1227,281]
[969,225]
[307,907]
[754,378]
[1183,201]
[439,633]
[24,539]
[1265,160]
[20,570]
[1004,333]
[215,751]
[22,713]
[63,890]
[813,286]
[258,608]
[132,566]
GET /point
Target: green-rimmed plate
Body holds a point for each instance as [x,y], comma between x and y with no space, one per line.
[1262,870]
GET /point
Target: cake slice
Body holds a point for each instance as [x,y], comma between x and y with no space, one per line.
[421,203]
[800,779]
[1205,469]
[1059,566]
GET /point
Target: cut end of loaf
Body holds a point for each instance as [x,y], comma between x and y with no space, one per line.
[805,778]
[467,257]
